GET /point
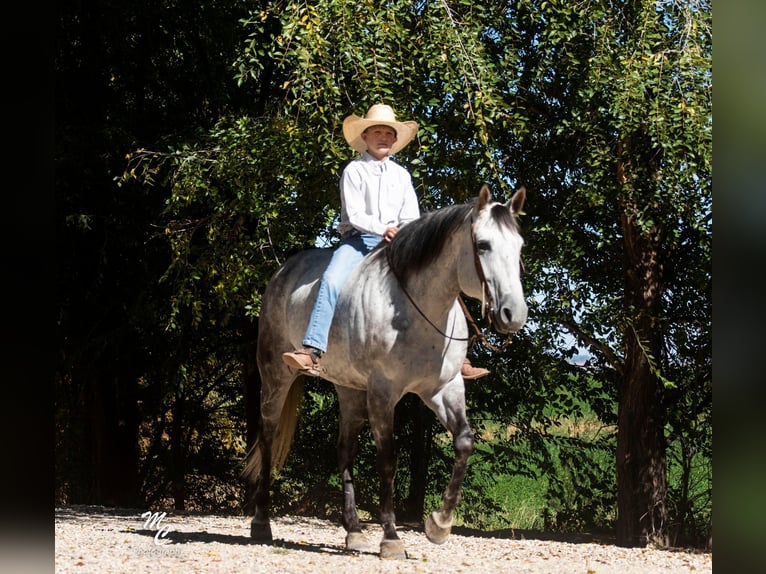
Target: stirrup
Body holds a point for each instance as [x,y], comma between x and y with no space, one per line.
[292,360]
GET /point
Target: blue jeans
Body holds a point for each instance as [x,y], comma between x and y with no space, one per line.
[346,257]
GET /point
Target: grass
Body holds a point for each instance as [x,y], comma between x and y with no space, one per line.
[521,500]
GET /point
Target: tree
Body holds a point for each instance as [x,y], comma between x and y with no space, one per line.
[126,76]
[603,109]
[622,92]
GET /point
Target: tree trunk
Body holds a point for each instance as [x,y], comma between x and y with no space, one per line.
[112,413]
[419,461]
[178,454]
[641,464]
[641,467]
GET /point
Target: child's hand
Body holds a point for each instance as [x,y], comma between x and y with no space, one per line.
[390,232]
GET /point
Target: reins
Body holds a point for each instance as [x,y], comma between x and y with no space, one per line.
[417,308]
[485,304]
[479,336]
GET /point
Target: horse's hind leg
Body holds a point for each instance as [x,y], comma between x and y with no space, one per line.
[257,471]
[353,414]
[279,404]
[449,406]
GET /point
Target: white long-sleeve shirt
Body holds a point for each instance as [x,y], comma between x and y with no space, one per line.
[376,194]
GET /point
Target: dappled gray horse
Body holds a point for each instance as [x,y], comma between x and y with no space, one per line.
[397,329]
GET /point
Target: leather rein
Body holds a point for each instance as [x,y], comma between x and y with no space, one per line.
[486,302]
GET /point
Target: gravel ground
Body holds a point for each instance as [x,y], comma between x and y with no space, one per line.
[105,540]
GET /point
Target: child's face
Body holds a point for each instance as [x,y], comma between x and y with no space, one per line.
[379,140]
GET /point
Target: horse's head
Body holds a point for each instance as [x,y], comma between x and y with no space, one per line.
[497,244]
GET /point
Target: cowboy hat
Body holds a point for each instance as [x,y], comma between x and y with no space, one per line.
[378,115]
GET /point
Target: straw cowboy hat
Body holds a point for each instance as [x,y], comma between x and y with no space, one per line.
[378,115]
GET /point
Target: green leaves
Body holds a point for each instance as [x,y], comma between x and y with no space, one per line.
[602,109]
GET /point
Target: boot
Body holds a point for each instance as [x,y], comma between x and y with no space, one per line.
[306,360]
[470,372]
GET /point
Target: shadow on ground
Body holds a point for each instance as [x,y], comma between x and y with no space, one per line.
[83,512]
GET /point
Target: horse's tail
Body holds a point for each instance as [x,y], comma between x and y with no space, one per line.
[287,423]
[283,437]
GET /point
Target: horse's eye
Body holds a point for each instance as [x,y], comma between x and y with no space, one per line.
[483,246]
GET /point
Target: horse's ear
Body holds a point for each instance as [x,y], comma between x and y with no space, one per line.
[485,197]
[516,203]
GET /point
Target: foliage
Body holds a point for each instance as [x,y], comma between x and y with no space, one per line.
[690,453]
[237,208]
[127,75]
[192,435]
[602,109]
[622,92]
[553,424]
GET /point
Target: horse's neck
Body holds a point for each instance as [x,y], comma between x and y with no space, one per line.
[439,284]
[436,292]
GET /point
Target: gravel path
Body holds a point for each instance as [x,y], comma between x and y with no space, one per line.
[105,540]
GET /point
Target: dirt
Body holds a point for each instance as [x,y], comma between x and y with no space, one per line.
[102,540]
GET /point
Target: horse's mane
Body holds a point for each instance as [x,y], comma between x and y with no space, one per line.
[419,243]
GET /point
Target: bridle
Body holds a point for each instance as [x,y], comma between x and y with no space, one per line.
[486,304]
[486,300]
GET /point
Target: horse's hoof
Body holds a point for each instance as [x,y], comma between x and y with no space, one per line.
[392,550]
[435,533]
[261,532]
[357,542]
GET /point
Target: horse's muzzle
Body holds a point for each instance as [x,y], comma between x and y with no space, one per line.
[509,318]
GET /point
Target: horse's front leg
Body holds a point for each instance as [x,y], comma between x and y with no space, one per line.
[380,409]
[353,413]
[449,406]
